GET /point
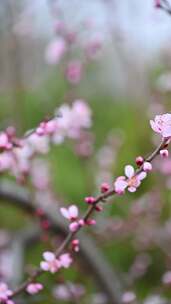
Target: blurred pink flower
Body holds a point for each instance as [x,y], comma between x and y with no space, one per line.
[5,292]
[162,124]
[55,51]
[70,213]
[34,288]
[50,263]
[65,260]
[74,71]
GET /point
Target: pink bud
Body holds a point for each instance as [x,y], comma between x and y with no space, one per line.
[40,131]
[91,222]
[81,222]
[104,187]
[139,161]
[147,166]
[157,3]
[75,245]
[164,153]
[73,226]
[98,208]
[90,200]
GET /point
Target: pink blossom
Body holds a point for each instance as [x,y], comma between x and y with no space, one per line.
[5,292]
[120,185]
[128,297]
[50,263]
[4,143]
[166,279]
[74,71]
[34,288]
[162,124]
[55,51]
[132,181]
[71,213]
[65,260]
[66,292]
[47,127]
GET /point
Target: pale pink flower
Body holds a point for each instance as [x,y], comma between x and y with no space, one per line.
[70,213]
[4,142]
[81,114]
[166,279]
[6,161]
[132,181]
[65,260]
[50,263]
[55,51]
[5,292]
[39,144]
[34,288]
[47,127]
[128,297]
[120,185]
[66,292]
[74,71]
[162,124]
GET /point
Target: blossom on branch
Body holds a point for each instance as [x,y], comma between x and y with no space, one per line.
[50,263]
[130,180]
[162,124]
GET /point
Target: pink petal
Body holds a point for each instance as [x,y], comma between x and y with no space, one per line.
[142,175]
[120,185]
[65,212]
[49,256]
[44,266]
[132,189]
[154,126]
[166,132]
[73,211]
[129,171]
[65,260]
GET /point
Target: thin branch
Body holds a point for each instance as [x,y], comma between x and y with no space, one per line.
[101,198]
[110,281]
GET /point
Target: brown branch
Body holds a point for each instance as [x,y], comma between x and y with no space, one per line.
[107,277]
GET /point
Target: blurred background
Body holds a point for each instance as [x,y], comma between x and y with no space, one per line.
[115,55]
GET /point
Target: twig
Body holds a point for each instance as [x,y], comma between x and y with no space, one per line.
[66,242]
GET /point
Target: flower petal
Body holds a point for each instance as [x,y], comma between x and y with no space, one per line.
[132,189]
[44,266]
[142,175]
[65,212]
[129,171]
[49,256]
[73,211]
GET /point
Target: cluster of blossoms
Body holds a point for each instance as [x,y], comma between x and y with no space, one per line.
[71,213]
[53,264]
[5,294]
[74,119]
[16,154]
[132,178]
